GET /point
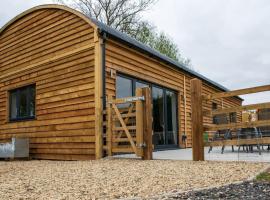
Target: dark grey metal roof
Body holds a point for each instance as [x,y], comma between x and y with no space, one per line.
[146,49]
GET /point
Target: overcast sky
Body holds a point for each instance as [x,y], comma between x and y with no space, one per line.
[227,40]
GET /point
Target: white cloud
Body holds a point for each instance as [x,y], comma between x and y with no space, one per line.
[10,9]
[227,40]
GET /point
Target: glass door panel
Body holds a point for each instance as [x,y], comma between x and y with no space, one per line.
[171,112]
[123,87]
[158,116]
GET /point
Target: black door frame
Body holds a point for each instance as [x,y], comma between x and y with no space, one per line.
[166,145]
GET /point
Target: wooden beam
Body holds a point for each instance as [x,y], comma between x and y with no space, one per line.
[109,127]
[139,123]
[197,120]
[147,121]
[122,150]
[237,92]
[122,128]
[117,140]
[237,125]
[253,141]
[129,115]
[98,97]
[127,99]
[238,109]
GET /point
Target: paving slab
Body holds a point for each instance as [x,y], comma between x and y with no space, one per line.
[214,155]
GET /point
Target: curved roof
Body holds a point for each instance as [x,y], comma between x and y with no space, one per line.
[55,6]
[117,35]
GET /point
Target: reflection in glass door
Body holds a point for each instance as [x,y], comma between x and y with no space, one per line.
[158,116]
[164,118]
[123,87]
[171,122]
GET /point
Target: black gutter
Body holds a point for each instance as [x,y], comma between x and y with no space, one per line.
[103,65]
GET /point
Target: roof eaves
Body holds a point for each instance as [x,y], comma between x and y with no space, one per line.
[142,47]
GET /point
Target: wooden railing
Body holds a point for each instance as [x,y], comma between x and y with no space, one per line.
[129,125]
[198,128]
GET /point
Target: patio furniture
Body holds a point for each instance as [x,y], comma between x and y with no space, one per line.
[249,133]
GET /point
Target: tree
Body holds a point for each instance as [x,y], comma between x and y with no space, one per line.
[125,16]
[148,35]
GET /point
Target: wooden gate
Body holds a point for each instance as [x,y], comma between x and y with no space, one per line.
[129,125]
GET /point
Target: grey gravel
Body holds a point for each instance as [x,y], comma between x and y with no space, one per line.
[249,190]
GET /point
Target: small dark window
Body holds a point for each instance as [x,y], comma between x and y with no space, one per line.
[233,117]
[264,114]
[215,118]
[214,106]
[22,103]
[220,119]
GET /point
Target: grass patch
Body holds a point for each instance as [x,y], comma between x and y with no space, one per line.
[265,176]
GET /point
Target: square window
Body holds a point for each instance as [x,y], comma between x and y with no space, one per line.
[214,106]
[233,117]
[22,103]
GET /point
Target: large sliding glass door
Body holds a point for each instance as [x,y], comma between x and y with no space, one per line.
[164,117]
[158,116]
[171,112]
[164,109]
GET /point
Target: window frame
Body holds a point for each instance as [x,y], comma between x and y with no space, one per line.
[17,92]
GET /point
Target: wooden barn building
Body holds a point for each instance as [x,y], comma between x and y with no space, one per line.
[57,68]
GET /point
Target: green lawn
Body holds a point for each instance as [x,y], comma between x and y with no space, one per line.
[265,176]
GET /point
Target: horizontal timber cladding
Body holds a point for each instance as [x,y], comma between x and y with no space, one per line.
[54,49]
[125,60]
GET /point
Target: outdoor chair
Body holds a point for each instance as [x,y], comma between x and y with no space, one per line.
[249,133]
[221,134]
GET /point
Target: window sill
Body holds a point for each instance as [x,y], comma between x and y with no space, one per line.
[21,120]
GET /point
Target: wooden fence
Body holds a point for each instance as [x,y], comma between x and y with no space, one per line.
[129,125]
[198,128]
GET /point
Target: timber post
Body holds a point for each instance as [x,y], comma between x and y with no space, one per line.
[109,125]
[197,120]
[148,129]
[98,98]
[139,122]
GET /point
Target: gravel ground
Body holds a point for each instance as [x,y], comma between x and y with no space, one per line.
[115,178]
[248,190]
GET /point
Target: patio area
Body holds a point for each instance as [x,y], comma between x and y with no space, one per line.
[214,155]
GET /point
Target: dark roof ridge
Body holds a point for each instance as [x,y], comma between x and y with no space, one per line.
[128,39]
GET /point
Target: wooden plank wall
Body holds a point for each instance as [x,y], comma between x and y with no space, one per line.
[120,58]
[54,49]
